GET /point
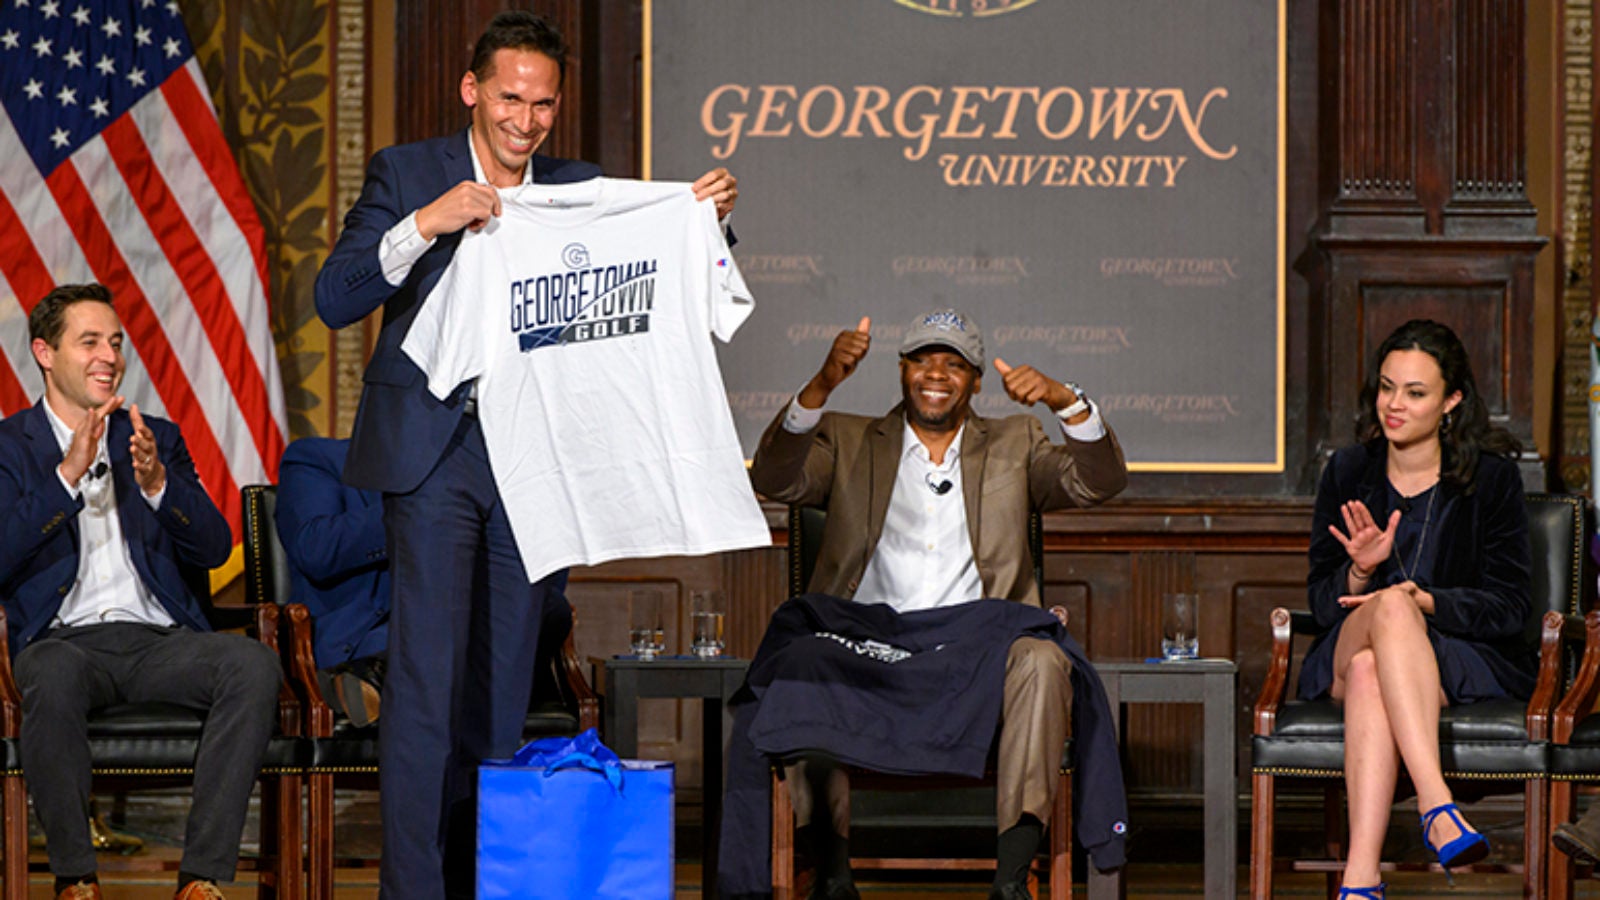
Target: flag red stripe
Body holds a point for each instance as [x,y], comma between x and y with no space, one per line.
[195,268]
[144,329]
[195,117]
[20,261]
[30,280]
[13,398]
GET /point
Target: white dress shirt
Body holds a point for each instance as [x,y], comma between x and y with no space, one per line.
[924,557]
[108,588]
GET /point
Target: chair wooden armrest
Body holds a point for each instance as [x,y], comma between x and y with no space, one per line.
[576,686]
[1557,632]
[1275,687]
[10,697]
[268,626]
[302,665]
[1579,701]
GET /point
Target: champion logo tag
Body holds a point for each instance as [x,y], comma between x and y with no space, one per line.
[722,263]
[1119,826]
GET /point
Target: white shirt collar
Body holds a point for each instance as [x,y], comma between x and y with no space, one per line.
[911,445]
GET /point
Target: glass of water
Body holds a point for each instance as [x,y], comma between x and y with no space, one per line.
[706,611]
[647,636]
[1180,622]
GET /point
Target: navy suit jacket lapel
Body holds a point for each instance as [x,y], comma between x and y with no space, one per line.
[46,452]
[125,484]
[456,161]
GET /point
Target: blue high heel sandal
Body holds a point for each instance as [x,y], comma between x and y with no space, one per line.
[1375,892]
[1466,849]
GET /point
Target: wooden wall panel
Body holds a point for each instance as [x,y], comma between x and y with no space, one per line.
[1114,601]
[433,47]
[1378,103]
[1479,313]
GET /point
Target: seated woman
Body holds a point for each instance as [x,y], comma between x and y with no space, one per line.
[1419,571]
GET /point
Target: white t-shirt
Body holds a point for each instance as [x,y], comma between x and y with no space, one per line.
[585,313]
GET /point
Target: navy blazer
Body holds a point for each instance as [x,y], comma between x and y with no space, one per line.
[171,547]
[401,429]
[1481,573]
[333,537]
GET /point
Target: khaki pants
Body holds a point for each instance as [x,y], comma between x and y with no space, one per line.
[1033,727]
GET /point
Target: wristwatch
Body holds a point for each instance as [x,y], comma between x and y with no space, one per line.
[1082,405]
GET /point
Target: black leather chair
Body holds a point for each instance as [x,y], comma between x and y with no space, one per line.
[1492,747]
[563,704]
[806,525]
[150,745]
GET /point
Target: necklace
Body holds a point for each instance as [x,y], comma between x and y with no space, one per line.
[1422,538]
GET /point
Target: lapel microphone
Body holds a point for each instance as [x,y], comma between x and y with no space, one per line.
[939,488]
[99,470]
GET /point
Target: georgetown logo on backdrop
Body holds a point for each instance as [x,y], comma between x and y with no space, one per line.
[963,8]
[584,303]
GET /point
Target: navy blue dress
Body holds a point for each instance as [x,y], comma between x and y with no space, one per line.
[1473,557]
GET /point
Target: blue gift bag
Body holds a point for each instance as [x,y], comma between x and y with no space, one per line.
[565,818]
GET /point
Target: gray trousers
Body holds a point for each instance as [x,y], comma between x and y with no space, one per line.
[1033,728]
[68,672]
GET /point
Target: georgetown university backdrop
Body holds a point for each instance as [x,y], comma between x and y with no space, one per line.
[1099,189]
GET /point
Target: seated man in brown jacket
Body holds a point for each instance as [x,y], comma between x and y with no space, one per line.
[928,507]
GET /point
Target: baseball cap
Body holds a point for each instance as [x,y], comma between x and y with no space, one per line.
[946,328]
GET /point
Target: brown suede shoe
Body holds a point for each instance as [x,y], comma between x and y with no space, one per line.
[200,890]
[357,697]
[1575,841]
[83,890]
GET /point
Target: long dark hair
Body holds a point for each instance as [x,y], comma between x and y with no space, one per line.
[1465,432]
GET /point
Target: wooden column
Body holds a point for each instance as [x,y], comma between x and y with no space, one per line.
[1424,205]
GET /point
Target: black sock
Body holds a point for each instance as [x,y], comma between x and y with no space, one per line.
[830,853]
[184,878]
[64,883]
[1017,847]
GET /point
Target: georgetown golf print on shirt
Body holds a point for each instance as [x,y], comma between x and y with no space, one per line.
[585,312]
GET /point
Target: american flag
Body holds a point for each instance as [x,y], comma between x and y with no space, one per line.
[113,169]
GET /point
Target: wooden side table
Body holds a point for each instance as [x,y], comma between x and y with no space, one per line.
[1210,682]
[624,681]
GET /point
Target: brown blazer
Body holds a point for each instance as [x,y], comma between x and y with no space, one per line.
[848,464]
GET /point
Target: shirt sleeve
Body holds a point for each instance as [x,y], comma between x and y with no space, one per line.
[799,420]
[1090,429]
[400,249]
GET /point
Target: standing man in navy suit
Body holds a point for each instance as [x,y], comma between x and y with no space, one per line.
[464,622]
[105,527]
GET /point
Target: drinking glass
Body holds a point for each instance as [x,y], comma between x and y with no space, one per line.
[1180,619]
[706,611]
[646,634]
